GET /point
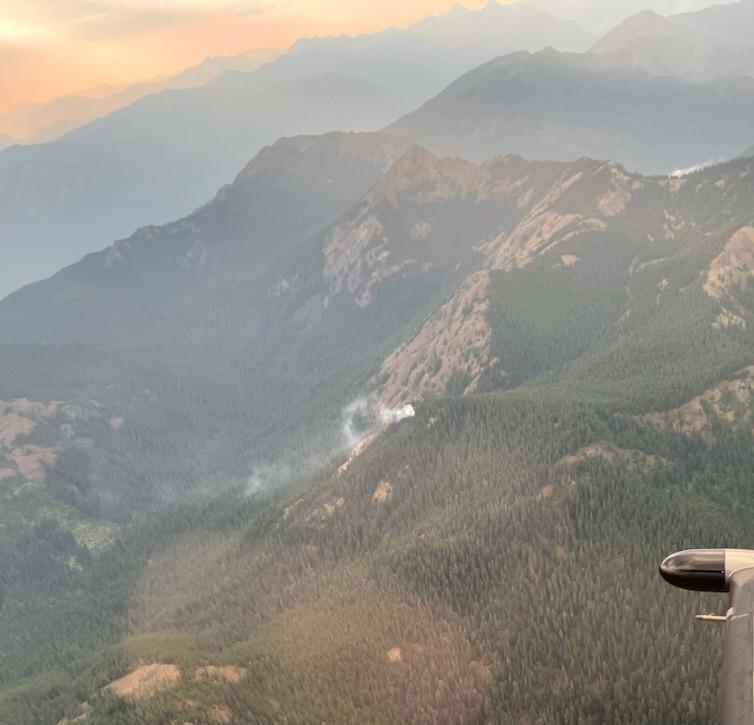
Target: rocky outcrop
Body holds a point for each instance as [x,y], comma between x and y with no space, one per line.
[730,401]
[734,266]
[448,354]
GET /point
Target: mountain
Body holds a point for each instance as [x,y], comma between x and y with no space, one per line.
[155,160]
[366,258]
[43,122]
[232,283]
[576,342]
[420,60]
[600,17]
[5,141]
[562,106]
[707,45]
[162,156]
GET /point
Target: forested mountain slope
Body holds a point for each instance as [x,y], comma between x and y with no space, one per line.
[576,340]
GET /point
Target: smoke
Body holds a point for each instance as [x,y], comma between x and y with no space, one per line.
[357,423]
[680,173]
[362,418]
[269,476]
[388,416]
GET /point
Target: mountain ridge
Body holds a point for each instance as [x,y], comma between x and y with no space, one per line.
[143,165]
[551,332]
[165,154]
[706,45]
[46,121]
[646,123]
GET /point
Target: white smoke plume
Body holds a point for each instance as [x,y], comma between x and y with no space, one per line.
[267,477]
[357,423]
[680,173]
[388,416]
[362,418]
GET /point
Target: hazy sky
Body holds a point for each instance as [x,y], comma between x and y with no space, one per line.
[49,47]
[52,47]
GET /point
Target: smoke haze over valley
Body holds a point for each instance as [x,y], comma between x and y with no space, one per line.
[368,380]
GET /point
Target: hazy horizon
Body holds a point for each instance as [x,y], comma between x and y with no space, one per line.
[371,381]
[47,50]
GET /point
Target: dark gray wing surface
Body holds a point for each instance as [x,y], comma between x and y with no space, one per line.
[737,685]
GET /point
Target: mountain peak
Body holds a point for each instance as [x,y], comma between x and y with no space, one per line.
[412,168]
[703,45]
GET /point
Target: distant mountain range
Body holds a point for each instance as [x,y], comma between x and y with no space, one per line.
[710,44]
[5,141]
[419,61]
[599,16]
[576,341]
[551,105]
[165,154]
[42,122]
[157,159]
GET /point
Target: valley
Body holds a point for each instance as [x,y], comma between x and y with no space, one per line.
[541,316]
[304,421]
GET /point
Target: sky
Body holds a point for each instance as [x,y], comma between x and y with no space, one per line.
[50,48]
[54,47]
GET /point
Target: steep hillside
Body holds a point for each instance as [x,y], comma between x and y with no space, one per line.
[558,106]
[218,322]
[244,327]
[710,44]
[577,343]
[476,276]
[465,562]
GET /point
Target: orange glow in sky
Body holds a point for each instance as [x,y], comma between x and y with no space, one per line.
[55,47]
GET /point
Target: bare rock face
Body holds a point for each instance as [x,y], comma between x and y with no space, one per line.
[227,673]
[371,246]
[730,401]
[537,214]
[453,345]
[34,433]
[733,266]
[145,681]
[428,212]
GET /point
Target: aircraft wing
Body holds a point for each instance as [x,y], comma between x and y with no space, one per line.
[732,571]
[737,677]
